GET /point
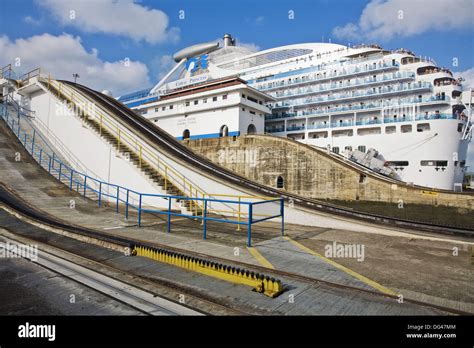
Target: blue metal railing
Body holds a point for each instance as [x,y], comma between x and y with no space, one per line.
[132,199]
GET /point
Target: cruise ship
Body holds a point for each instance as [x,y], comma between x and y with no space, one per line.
[406,109]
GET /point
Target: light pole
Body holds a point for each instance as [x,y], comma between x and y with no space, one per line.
[75,75]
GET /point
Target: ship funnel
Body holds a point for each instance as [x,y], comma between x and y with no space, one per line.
[228,40]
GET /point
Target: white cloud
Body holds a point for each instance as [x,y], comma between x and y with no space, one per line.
[125,18]
[30,20]
[163,65]
[384,19]
[63,55]
[251,46]
[468,76]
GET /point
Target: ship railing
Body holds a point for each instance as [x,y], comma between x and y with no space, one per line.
[307,101]
[347,72]
[336,87]
[342,124]
[275,130]
[365,107]
[435,117]
[295,128]
[368,122]
[318,126]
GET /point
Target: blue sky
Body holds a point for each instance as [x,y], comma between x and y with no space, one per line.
[264,24]
[127,45]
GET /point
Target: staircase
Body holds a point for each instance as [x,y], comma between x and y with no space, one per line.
[192,207]
[40,140]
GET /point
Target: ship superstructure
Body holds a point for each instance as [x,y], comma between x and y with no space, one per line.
[341,98]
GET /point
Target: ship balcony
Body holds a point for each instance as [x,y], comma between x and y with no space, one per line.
[339,87]
[339,124]
[275,129]
[295,128]
[365,107]
[422,86]
[435,116]
[318,126]
[342,74]
[368,122]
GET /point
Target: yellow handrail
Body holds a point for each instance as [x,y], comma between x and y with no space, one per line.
[125,137]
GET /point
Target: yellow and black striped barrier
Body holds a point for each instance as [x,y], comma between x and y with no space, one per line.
[261,283]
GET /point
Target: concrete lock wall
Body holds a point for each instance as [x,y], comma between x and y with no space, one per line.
[313,173]
[93,151]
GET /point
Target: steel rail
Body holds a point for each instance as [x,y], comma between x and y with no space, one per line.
[165,141]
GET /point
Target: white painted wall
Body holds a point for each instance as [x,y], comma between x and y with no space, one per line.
[90,148]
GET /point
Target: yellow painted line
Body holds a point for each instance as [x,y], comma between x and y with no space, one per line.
[263,261]
[366,280]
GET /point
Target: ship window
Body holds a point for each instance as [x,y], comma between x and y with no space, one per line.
[434,163]
[252,112]
[204,101]
[187,103]
[423,127]
[243,109]
[171,107]
[214,98]
[224,97]
[224,132]
[335,149]
[406,128]
[280,183]
[460,125]
[196,102]
[348,148]
[163,108]
[186,134]
[156,110]
[390,129]
[361,148]
[397,163]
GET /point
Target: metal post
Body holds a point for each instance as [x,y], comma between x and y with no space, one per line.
[85,184]
[282,212]
[238,216]
[126,205]
[204,219]
[140,210]
[49,166]
[169,215]
[60,169]
[100,193]
[118,193]
[70,179]
[249,227]
[41,155]
[33,143]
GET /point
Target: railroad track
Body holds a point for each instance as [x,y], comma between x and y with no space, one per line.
[133,296]
[33,215]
